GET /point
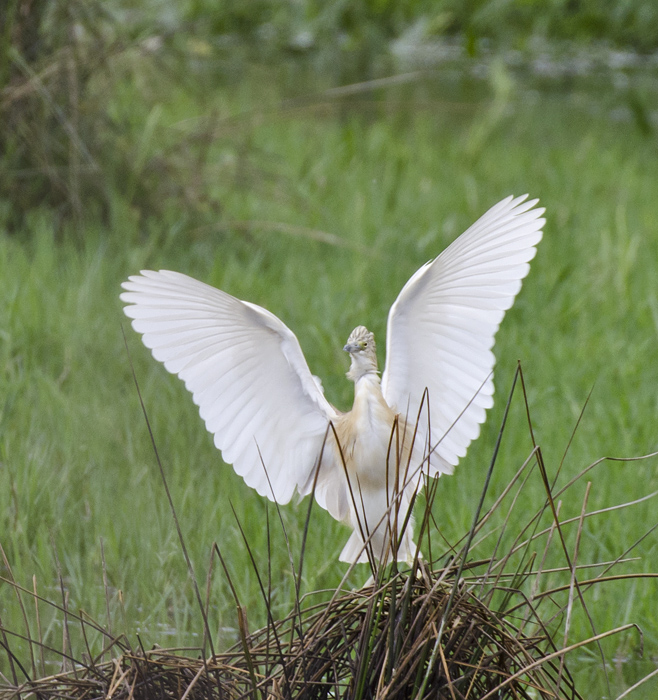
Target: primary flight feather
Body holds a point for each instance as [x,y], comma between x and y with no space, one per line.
[268,413]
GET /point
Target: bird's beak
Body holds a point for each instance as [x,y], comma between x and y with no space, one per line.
[350,348]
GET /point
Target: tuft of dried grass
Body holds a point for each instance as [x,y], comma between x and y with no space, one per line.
[418,634]
[481,625]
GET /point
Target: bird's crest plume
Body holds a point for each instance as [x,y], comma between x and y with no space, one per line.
[362,335]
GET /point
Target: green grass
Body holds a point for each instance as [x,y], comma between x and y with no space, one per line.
[400,176]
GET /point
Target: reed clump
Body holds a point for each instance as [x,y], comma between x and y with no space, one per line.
[416,634]
[490,616]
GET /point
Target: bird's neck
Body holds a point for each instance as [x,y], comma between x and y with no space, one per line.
[360,371]
[371,415]
[367,385]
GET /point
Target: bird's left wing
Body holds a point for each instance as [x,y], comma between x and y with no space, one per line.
[246,372]
[441,329]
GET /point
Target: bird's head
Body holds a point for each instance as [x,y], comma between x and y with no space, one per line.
[362,349]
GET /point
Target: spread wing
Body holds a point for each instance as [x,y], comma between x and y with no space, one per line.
[246,373]
[441,329]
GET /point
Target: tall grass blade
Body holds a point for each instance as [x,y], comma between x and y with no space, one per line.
[181,539]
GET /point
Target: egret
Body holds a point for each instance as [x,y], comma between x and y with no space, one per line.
[269,415]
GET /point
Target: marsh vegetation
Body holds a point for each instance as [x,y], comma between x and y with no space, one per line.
[312,183]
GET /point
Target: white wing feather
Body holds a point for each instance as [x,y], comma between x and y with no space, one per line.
[441,329]
[246,373]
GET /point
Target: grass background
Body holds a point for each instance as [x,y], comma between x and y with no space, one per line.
[230,179]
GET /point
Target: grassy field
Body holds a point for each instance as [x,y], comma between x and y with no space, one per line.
[394,176]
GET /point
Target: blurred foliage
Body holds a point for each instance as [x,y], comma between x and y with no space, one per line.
[92,93]
[83,108]
[318,24]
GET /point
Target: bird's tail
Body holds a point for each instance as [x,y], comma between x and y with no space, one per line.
[354,551]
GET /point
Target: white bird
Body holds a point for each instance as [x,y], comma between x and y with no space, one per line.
[268,413]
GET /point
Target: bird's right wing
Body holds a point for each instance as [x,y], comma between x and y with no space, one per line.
[246,372]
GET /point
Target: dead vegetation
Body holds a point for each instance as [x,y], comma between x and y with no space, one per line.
[460,625]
